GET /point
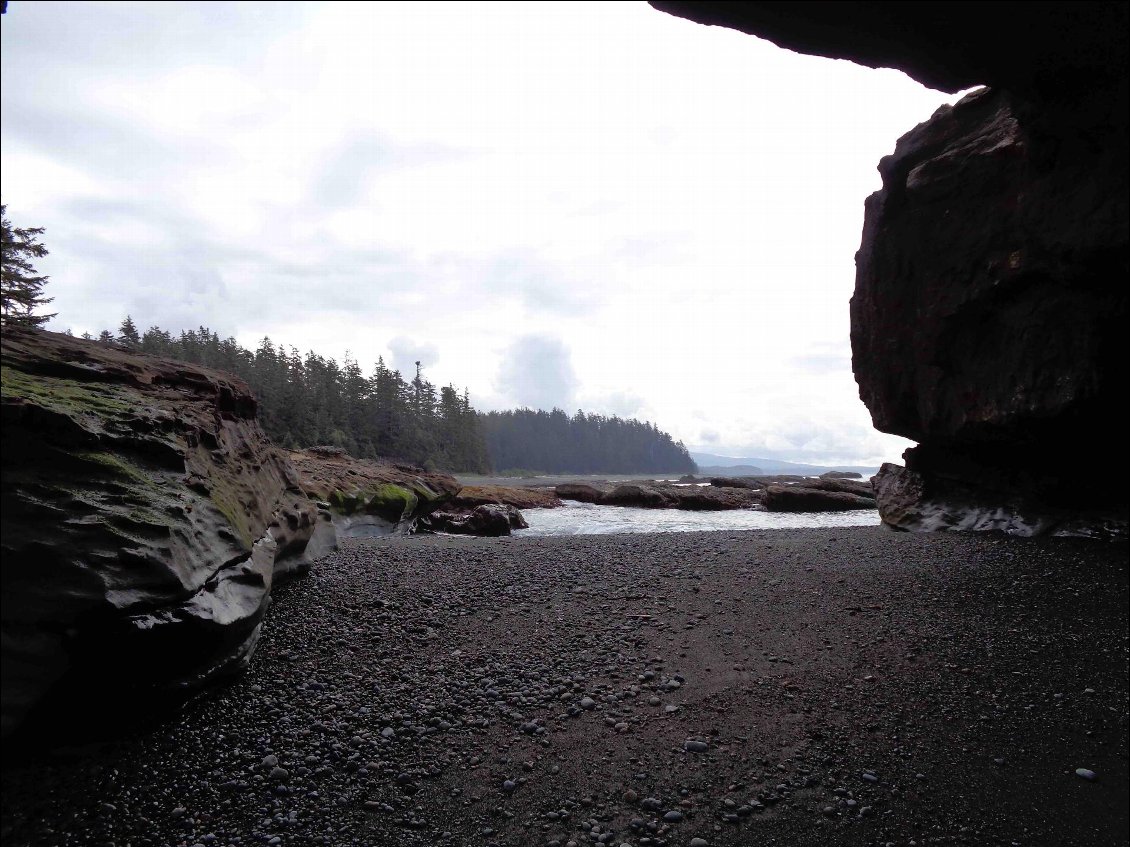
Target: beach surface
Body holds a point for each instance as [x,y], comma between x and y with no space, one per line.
[790,687]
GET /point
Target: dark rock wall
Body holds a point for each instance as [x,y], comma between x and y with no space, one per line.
[989,315]
[990,301]
[144,518]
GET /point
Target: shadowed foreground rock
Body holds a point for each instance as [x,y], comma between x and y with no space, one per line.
[1018,359]
[145,517]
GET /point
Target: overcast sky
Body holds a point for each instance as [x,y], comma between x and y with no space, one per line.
[593,206]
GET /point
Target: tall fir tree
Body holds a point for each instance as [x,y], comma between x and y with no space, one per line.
[21,287]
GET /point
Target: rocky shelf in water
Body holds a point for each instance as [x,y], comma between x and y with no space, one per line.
[772,493]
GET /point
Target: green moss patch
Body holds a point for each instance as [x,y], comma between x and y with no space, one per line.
[391,502]
[67,396]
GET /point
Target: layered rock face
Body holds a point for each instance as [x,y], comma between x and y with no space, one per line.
[990,302]
[144,518]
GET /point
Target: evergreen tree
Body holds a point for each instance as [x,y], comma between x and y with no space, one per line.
[21,288]
[552,442]
[127,333]
[311,400]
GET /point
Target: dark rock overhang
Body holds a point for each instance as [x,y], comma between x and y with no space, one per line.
[944,45]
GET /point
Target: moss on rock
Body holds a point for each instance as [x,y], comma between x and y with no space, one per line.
[392,502]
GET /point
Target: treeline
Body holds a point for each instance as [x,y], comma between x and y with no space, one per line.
[553,442]
[310,400]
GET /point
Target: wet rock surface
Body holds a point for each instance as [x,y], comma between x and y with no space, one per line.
[490,520]
[779,493]
[786,687]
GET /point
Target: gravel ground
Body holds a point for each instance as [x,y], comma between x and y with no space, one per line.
[803,687]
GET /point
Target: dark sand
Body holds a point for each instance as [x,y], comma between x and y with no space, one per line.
[852,686]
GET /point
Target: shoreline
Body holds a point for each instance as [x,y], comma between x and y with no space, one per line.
[505,692]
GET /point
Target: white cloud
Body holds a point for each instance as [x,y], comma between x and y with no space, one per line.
[537,372]
[558,203]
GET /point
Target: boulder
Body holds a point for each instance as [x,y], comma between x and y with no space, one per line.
[841,475]
[491,520]
[796,498]
[1007,328]
[145,517]
[633,494]
[580,492]
[702,499]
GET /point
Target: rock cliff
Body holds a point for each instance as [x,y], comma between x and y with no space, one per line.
[145,518]
[989,311]
[991,289]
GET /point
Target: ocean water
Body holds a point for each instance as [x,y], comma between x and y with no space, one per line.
[588,519]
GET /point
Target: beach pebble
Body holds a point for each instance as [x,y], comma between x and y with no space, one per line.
[1085,773]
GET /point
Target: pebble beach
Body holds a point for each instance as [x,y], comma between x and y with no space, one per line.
[781,687]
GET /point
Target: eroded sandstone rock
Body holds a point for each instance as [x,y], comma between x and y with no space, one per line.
[145,517]
[910,501]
